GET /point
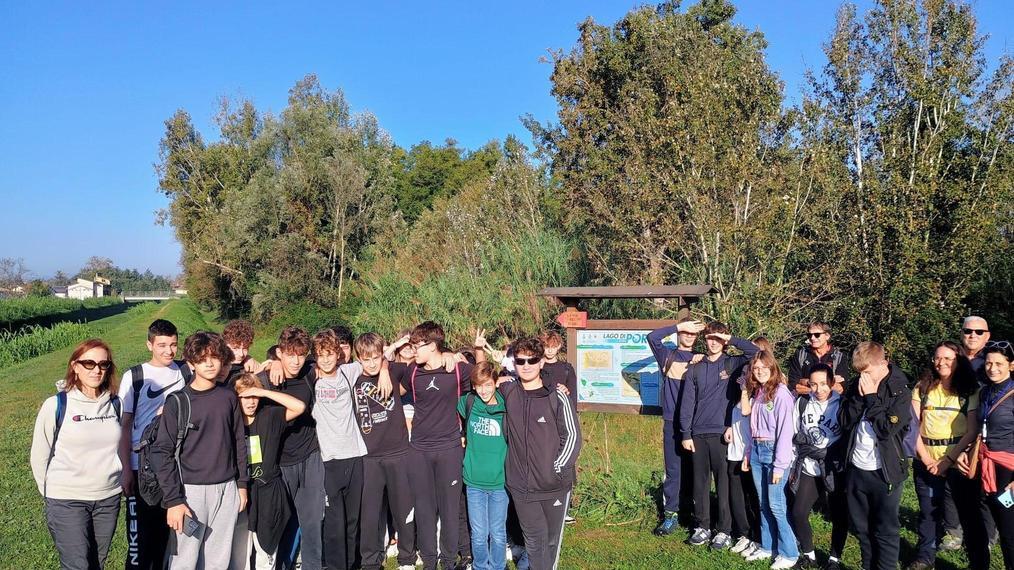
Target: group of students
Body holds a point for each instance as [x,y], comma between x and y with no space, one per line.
[314,455]
[774,446]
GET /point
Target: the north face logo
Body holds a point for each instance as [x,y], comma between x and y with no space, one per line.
[542,419]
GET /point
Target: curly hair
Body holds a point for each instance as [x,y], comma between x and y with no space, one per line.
[294,340]
[238,333]
[205,344]
[768,388]
[326,341]
[531,346]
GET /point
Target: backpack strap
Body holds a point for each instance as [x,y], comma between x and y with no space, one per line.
[801,357]
[61,413]
[801,405]
[137,382]
[469,402]
[114,400]
[185,370]
[836,357]
[182,424]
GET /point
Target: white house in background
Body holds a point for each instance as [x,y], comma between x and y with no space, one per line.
[87,289]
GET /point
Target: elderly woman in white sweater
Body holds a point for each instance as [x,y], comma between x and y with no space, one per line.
[74,458]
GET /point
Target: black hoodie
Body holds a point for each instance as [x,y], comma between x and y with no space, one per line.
[889,412]
[543,441]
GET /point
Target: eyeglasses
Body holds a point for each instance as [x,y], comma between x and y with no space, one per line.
[418,345]
[518,361]
[815,334]
[91,364]
[978,332]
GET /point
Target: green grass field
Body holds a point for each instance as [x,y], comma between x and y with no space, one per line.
[620,472]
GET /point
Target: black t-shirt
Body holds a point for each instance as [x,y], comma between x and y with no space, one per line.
[561,373]
[381,420]
[264,439]
[235,370]
[299,439]
[435,425]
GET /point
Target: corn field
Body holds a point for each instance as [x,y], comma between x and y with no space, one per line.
[35,341]
[19,309]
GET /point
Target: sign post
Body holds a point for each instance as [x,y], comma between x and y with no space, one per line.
[616,370]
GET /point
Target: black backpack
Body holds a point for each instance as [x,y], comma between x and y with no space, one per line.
[147,482]
[137,381]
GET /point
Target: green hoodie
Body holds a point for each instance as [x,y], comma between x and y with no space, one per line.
[486,448]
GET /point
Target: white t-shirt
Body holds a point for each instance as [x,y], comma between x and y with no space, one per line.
[159,382]
[740,434]
[865,455]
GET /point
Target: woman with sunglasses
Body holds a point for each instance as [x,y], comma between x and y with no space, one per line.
[74,458]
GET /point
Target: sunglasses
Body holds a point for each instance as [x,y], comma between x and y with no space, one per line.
[1001,344]
[529,361]
[978,332]
[91,364]
[815,335]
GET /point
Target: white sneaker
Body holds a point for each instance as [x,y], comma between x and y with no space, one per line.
[392,550]
[758,554]
[750,549]
[741,544]
[406,567]
[782,563]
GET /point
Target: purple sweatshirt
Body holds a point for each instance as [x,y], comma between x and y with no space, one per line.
[773,421]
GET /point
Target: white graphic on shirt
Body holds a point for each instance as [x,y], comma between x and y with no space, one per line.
[542,419]
[433,385]
[485,426]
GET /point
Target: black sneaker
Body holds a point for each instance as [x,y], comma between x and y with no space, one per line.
[832,565]
[806,562]
[920,565]
[668,525]
[700,537]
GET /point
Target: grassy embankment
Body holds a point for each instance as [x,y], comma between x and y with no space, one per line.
[619,480]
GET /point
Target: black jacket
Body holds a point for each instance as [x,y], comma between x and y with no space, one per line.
[889,412]
[543,441]
[804,359]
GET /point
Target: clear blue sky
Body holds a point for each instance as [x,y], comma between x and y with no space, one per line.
[85,88]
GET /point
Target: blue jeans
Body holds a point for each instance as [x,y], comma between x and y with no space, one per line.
[487,517]
[775,529]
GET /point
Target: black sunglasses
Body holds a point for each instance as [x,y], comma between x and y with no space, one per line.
[978,332]
[91,364]
[815,335]
[518,361]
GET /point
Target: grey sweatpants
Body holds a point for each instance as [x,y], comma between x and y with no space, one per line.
[217,506]
[305,483]
[82,530]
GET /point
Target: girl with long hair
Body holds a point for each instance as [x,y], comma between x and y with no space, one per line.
[769,457]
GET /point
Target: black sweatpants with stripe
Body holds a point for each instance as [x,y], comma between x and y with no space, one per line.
[436,483]
[542,524]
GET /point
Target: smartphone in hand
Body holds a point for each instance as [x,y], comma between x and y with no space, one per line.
[193,527]
[1006,498]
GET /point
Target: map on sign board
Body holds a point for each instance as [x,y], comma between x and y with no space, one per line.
[616,367]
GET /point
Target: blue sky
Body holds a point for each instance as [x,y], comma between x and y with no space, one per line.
[85,88]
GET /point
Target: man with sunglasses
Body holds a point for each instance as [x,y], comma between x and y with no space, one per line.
[974,336]
[544,442]
[818,350]
[672,366]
